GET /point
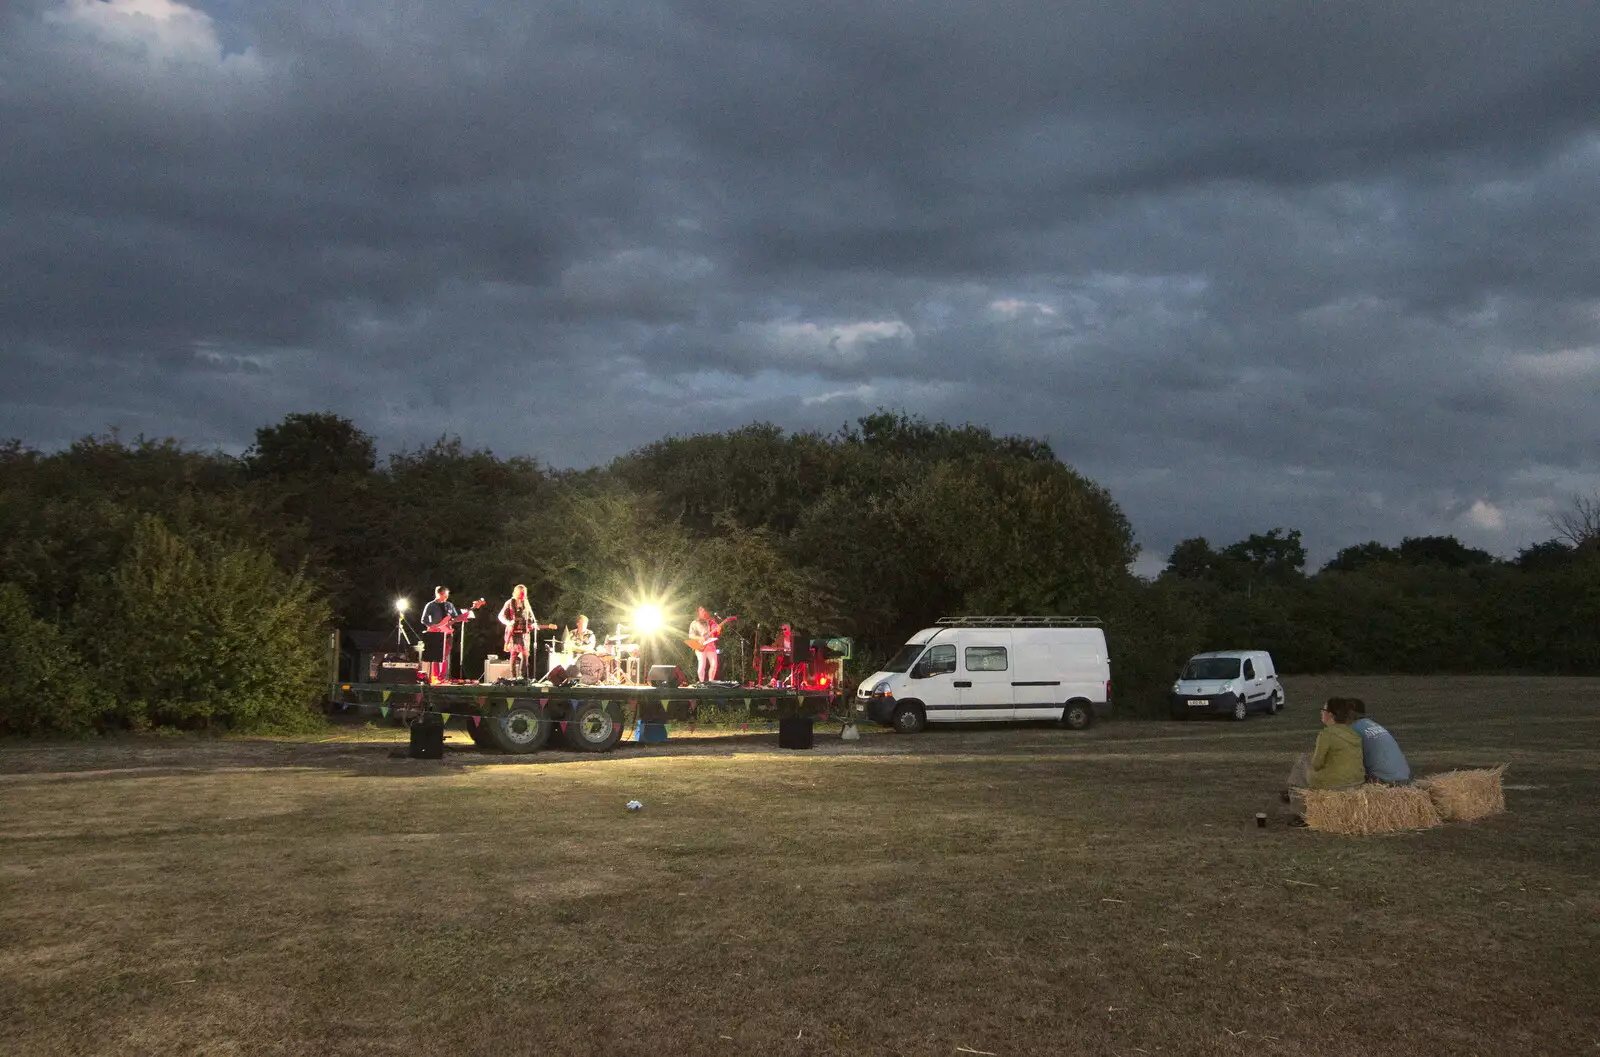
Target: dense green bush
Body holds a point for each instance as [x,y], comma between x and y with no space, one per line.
[205,632]
[43,686]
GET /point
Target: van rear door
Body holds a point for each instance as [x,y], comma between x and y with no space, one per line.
[984,681]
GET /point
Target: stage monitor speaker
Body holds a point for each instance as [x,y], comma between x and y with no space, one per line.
[665,676]
[432,646]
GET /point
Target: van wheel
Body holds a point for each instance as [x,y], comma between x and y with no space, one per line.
[909,719]
[1239,709]
[1276,704]
[1077,715]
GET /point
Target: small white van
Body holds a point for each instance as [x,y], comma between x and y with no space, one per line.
[987,669]
[1232,682]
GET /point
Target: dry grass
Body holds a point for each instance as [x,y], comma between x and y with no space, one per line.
[1465,796]
[1015,891]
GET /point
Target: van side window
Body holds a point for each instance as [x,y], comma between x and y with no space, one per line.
[939,660]
[986,658]
[1249,669]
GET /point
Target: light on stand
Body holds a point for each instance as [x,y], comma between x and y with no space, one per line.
[647,620]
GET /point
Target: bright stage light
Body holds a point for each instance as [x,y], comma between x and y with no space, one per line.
[647,620]
[401,605]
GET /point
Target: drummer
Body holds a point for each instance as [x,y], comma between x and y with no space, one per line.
[580,639]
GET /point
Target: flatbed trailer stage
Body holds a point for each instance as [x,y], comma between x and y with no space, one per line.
[520,717]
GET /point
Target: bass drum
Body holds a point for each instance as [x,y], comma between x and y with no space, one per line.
[593,669]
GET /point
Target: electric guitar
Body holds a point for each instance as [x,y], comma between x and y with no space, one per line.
[448,624]
[710,640]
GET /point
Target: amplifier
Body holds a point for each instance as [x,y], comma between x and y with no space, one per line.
[495,670]
[397,668]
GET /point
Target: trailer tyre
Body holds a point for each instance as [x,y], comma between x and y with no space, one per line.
[480,733]
[593,727]
[1077,715]
[524,727]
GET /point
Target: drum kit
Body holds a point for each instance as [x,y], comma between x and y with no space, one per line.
[614,661]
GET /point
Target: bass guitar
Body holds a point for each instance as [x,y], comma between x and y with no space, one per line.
[449,623]
[711,639]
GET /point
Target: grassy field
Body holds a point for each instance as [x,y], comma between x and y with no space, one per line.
[1003,891]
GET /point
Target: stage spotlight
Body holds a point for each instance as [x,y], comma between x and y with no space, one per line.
[647,620]
[401,605]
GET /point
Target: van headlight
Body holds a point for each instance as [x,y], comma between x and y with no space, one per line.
[1177,687]
[880,688]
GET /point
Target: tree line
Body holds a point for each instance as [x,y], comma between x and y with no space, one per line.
[144,584]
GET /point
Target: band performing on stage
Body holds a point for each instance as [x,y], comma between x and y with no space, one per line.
[574,654]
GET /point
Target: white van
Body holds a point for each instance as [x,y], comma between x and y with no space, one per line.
[986,669]
[1232,682]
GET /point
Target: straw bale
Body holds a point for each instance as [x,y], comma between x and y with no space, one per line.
[1368,809]
[1462,796]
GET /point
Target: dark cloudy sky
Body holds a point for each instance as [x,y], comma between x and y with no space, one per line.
[1329,265]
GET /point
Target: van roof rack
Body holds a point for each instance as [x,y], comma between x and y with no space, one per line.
[1018,622]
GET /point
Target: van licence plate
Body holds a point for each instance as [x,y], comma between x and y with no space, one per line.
[1193,703]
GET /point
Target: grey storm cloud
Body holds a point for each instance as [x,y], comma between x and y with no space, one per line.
[1328,266]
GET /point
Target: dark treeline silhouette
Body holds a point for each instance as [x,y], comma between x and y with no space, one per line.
[143,584]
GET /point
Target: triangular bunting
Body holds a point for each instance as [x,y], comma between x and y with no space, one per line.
[476,720]
[511,702]
[386,694]
[385,710]
[747,701]
[563,726]
[446,716]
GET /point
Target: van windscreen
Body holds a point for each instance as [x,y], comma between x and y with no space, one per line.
[901,662]
[1212,668]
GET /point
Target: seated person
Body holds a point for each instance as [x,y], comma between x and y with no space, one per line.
[1335,763]
[1381,754]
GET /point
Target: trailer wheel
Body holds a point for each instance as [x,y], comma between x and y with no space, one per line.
[523,728]
[1077,715]
[593,727]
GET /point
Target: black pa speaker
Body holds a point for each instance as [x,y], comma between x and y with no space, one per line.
[427,740]
[665,676]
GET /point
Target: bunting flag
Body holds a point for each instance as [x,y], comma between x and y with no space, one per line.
[543,701]
[563,726]
[386,694]
[385,710]
[476,720]
[446,716]
[511,702]
[748,701]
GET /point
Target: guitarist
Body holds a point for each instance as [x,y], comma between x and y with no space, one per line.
[520,624]
[441,615]
[704,630]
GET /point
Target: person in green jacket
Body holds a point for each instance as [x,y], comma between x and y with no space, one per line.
[1336,761]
